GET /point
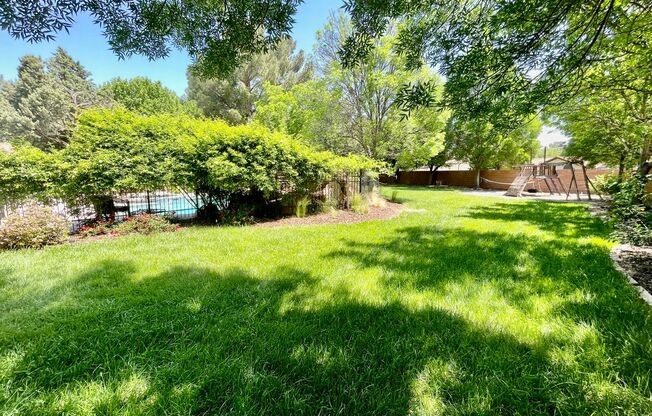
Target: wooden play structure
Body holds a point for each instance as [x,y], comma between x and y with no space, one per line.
[546,174]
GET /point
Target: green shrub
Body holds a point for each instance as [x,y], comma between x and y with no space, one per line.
[301,209]
[138,224]
[144,224]
[37,227]
[329,206]
[359,204]
[395,198]
[237,216]
[97,228]
[632,219]
[27,173]
[607,184]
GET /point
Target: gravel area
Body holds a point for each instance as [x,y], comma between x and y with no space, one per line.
[636,263]
[389,210]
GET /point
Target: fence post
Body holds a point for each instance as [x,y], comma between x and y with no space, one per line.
[149,207]
[360,181]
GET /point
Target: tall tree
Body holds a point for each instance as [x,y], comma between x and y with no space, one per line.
[309,111]
[36,108]
[483,146]
[146,97]
[233,97]
[42,104]
[373,124]
[73,78]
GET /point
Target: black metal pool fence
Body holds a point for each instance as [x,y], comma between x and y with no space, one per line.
[183,205]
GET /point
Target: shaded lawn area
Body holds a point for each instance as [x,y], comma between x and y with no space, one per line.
[473,306]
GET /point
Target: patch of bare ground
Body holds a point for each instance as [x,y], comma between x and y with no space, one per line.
[636,263]
[388,211]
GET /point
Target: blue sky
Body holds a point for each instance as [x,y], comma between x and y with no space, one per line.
[86,44]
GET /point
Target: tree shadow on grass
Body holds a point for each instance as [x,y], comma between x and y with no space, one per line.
[194,341]
[558,218]
[575,279]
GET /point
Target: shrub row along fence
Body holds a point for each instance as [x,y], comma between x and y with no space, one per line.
[491,178]
[181,205]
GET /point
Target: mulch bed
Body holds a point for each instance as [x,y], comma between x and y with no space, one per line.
[636,263]
[390,210]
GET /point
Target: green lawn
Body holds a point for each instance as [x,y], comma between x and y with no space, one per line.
[465,305]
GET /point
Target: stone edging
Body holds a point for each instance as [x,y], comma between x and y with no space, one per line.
[645,295]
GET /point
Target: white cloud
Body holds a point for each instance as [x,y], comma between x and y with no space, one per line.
[551,134]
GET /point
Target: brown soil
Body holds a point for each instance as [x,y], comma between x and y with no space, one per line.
[636,263]
[390,210]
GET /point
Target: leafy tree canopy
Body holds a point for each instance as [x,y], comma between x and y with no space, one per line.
[483,146]
[147,97]
[602,129]
[502,60]
[218,35]
[370,122]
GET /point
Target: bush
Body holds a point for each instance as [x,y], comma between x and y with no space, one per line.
[117,151]
[302,207]
[97,228]
[144,224]
[632,219]
[138,224]
[27,173]
[359,204]
[37,227]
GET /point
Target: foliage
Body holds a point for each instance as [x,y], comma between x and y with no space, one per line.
[551,150]
[309,111]
[368,120]
[36,227]
[138,224]
[302,207]
[146,97]
[601,129]
[233,97]
[144,224]
[218,36]
[237,216]
[117,151]
[633,219]
[473,306]
[359,204]
[27,173]
[483,146]
[41,106]
[504,60]
[99,227]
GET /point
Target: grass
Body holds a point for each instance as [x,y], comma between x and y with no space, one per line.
[465,305]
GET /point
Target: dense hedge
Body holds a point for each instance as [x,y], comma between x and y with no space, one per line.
[27,173]
[116,151]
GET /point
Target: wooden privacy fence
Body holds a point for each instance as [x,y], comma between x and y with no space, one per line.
[490,178]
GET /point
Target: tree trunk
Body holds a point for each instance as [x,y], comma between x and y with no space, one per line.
[644,165]
[432,173]
[621,168]
[477,178]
